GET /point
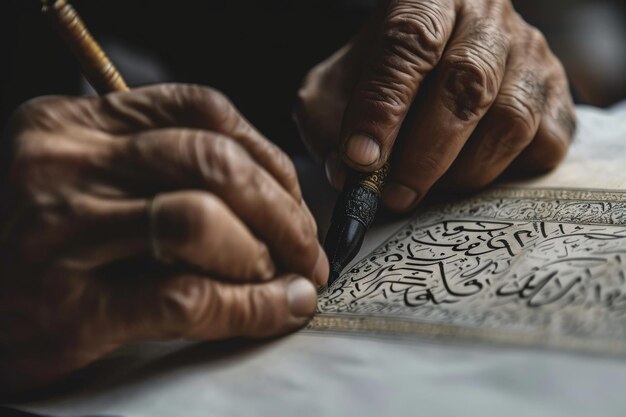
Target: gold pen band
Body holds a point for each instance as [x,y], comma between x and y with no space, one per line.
[376,179]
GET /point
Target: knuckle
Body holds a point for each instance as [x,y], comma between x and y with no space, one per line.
[534,44]
[187,303]
[415,34]
[254,311]
[385,98]
[48,216]
[211,106]
[195,93]
[236,169]
[220,161]
[36,112]
[536,37]
[243,311]
[468,88]
[473,70]
[222,111]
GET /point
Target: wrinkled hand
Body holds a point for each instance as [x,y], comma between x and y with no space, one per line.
[77,279]
[453,91]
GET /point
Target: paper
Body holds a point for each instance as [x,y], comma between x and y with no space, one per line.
[538,267]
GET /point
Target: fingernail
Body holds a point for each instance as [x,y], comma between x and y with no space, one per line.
[320,271]
[398,197]
[335,170]
[302,297]
[362,150]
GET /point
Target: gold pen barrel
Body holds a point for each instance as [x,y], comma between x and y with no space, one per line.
[96,66]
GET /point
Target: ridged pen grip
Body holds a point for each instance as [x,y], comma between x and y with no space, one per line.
[96,66]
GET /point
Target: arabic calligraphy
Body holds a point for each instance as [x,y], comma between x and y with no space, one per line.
[514,263]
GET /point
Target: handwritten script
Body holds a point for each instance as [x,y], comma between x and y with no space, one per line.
[524,265]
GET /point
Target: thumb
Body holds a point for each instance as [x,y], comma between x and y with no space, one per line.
[410,43]
[195,307]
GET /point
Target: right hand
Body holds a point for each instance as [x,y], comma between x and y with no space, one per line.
[452,93]
[91,179]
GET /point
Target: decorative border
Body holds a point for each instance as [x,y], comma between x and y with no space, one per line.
[369,326]
[555,194]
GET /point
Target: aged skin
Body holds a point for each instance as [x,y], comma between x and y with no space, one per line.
[76,276]
[454,92]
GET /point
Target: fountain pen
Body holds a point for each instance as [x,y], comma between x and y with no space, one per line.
[353,214]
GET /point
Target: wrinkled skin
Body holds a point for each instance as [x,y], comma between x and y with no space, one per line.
[453,92]
[77,280]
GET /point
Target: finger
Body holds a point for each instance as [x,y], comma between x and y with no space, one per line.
[413,36]
[84,232]
[171,159]
[555,132]
[512,121]
[195,307]
[194,228]
[322,99]
[466,85]
[199,229]
[178,105]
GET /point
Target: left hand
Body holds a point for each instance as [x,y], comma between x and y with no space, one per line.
[154,214]
[453,92]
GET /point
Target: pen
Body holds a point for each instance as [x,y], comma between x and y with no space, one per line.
[95,65]
[353,214]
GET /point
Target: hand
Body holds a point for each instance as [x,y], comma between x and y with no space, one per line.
[91,179]
[454,92]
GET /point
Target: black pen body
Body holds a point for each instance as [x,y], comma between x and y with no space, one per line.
[354,212]
[342,243]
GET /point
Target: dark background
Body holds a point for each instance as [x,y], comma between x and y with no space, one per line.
[257,52]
